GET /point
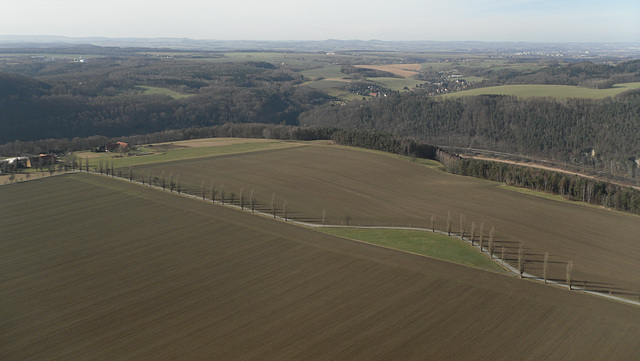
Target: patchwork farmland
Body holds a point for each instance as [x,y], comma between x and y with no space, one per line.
[372,189]
[97,268]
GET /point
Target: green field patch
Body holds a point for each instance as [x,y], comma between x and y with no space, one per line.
[297,60]
[348,96]
[540,194]
[433,164]
[553,91]
[429,163]
[258,56]
[152,90]
[327,85]
[396,84]
[438,66]
[329,71]
[553,197]
[420,242]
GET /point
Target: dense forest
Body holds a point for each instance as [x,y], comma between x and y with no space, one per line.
[602,134]
[104,97]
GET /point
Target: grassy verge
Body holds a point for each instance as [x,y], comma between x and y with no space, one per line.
[531,192]
[556,197]
[419,242]
[429,163]
[151,90]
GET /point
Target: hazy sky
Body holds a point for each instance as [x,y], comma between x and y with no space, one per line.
[489,20]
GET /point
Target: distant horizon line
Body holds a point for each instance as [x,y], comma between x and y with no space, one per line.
[8,36]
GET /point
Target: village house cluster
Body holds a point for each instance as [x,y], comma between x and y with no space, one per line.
[13,164]
[45,160]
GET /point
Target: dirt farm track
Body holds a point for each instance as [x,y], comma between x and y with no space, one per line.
[100,269]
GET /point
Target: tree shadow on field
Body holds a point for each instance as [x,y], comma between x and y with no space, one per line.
[508,245]
[293,215]
[542,260]
[605,288]
[317,220]
[628,293]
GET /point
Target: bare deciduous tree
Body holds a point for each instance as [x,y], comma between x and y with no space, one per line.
[202,192]
[462,224]
[347,218]
[274,206]
[449,223]
[521,260]
[491,243]
[232,197]
[433,223]
[481,235]
[569,271]
[285,210]
[252,201]
[213,191]
[545,266]
[473,232]
[163,182]
[222,194]
[130,175]
[178,186]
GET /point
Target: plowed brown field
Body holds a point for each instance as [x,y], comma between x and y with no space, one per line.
[376,189]
[99,269]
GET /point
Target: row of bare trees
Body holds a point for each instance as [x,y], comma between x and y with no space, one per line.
[214,194]
[242,200]
[491,244]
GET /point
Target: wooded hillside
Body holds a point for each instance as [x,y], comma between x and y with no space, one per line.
[602,134]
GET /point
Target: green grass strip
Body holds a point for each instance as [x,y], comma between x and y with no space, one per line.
[152,90]
[429,244]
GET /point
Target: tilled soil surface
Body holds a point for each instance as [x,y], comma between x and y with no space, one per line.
[98,269]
